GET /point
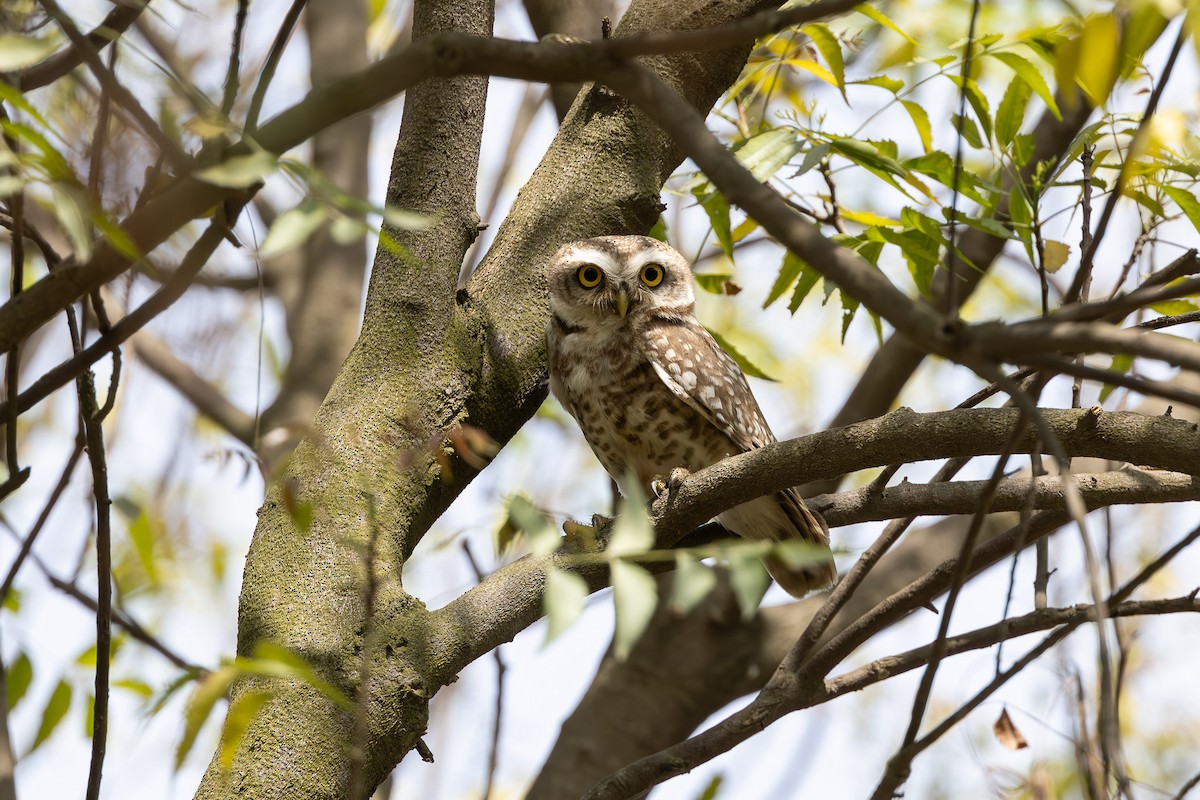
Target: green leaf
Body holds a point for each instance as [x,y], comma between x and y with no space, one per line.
[717,208]
[18,52]
[563,600]
[808,279]
[11,95]
[1054,255]
[814,156]
[273,661]
[18,677]
[978,102]
[527,519]
[143,534]
[893,85]
[743,362]
[1170,308]
[966,127]
[633,533]
[56,708]
[921,121]
[692,582]
[346,229]
[116,236]
[1143,24]
[635,595]
[874,14]
[211,689]
[815,69]
[713,282]
[1092,61]
[239,172]
[789,270]
[1187,204]
[407,220]
[73,211]
[1011,112]
[142,689]
[749,580]
[714,786]
[1121,363]
[1028,74]
[867,154]
[237,720]
[831,50]
[659,231]
[767,153]
[292,228]
[1021,214]
[849,308]
[87,658]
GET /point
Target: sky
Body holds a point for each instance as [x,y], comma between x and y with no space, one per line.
[213,499]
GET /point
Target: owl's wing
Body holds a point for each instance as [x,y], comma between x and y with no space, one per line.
[695,368]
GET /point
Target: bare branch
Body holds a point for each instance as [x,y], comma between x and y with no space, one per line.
[207,399]
[962,497]
[54,67]
[443,55]
[172,290]
[510,599]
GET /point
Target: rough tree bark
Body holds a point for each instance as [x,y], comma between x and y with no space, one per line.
[424,363]
[595,740]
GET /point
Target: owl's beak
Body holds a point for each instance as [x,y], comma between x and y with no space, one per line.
[622,302]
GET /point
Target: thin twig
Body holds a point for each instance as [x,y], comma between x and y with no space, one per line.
[268,70]
[235,58]
[172,290]
[925,689]
[54,67]
[898,767]
[1084,272]
[94,436]
[122,96]
[12,363]
[952,250]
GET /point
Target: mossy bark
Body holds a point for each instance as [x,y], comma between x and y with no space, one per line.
[428,359]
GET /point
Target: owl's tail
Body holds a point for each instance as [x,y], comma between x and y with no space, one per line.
[781,517]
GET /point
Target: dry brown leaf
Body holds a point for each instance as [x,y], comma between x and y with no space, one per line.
[1008,734]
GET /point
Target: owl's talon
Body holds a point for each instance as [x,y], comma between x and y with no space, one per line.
[600,522]
[658,487]
[678,476]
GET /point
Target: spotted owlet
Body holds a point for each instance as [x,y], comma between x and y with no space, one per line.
[653,391]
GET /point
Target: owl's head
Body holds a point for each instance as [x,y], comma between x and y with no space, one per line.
[611,280]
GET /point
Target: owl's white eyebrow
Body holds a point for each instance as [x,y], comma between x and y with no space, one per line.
[597,257]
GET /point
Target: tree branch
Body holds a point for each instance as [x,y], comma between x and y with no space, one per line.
[1128,486]
[444,55]
[54,67]
[206,398]
[510,599]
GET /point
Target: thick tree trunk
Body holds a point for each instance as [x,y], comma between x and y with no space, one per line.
[427,360]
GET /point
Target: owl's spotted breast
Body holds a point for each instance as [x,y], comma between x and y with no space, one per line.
[652,390]
[630,417]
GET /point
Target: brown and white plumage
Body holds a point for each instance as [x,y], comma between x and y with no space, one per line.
[653,391]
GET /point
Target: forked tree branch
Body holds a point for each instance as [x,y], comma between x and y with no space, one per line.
[511,598]
[444,55]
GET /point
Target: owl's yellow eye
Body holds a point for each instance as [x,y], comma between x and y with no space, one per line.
[590,276]
[652,275]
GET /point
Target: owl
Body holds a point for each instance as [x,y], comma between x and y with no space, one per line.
[653,391]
